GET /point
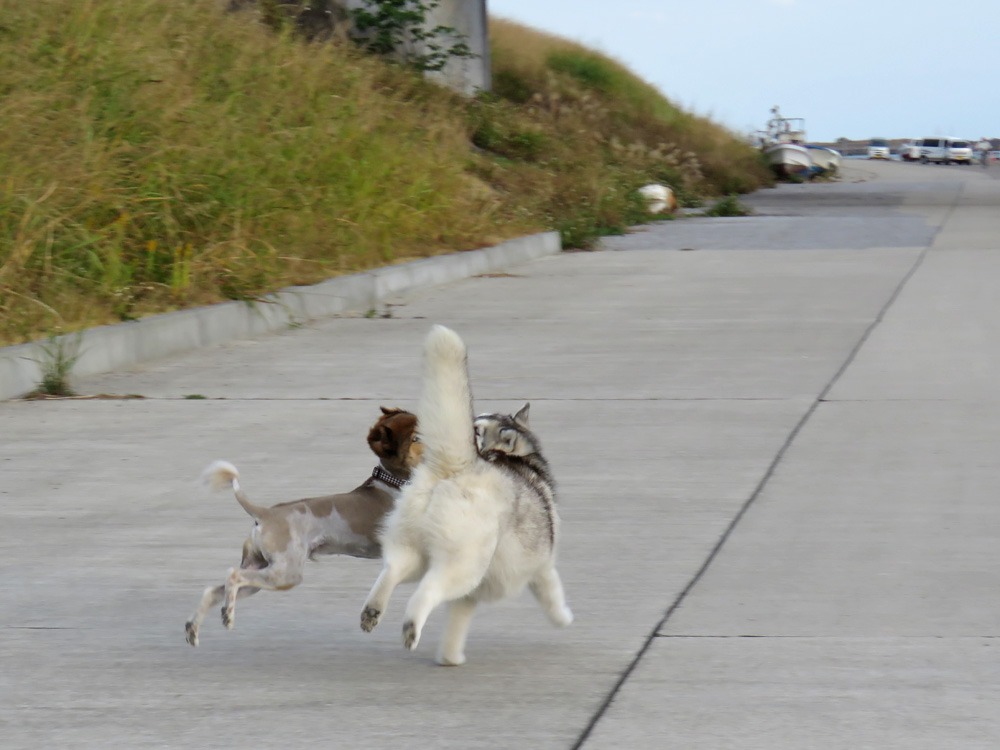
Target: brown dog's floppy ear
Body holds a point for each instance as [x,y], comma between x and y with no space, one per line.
[381,440]
[390,410]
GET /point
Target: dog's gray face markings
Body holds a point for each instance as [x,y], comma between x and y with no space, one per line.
[508,434]
[506,441]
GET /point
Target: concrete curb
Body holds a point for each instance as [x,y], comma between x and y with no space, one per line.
[118,347]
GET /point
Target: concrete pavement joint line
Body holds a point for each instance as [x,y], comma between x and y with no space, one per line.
[39,627]
[947,216]
[889,303]
[891,400]
[700,572]
[201,397]
[837,637]
[772,467]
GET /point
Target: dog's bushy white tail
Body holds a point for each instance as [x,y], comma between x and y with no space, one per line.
[222,475]
[444,414]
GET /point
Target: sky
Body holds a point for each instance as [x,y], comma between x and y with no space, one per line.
[855,69]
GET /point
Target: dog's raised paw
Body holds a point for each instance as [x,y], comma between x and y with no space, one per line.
[228,618]
[191,633]
[410,636]
[369,619]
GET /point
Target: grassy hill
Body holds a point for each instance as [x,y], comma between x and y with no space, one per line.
[157,155]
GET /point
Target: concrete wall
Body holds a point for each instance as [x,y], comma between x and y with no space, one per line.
[468,18]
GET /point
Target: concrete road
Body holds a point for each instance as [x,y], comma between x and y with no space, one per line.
[777,444]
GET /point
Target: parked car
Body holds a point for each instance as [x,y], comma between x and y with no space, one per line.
[878,148]
[946,150]
[910,151]
[959,152]
[932,150]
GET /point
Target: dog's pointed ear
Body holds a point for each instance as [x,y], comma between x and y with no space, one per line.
[390,410]
[522,415]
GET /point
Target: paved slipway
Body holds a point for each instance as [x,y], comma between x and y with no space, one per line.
[776,440]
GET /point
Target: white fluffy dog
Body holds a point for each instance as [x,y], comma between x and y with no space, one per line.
[471,529]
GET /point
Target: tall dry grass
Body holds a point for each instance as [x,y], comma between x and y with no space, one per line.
[159,154]
[586,93]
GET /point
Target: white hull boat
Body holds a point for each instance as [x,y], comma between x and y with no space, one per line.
[783,144]
[825,160]
[788,159]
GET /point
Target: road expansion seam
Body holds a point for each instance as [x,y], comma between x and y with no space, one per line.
[779,456]
[681,636]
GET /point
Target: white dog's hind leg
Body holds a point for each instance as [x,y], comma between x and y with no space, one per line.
[452,650]
[443,582]
[548,589]
[400,564]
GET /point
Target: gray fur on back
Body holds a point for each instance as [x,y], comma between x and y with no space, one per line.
[507,443]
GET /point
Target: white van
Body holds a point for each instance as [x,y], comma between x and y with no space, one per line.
[945,151]
[959,151]
[932,150]
[910,151]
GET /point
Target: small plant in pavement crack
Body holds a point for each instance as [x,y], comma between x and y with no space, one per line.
[728,206]
[59,354]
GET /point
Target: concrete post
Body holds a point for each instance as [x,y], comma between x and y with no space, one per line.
[469,19]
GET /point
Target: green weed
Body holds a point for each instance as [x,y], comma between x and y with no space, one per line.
[728,206]
[59,356]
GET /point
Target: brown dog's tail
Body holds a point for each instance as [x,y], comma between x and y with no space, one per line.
[221,474]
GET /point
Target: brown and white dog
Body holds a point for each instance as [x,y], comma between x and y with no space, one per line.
[287,534]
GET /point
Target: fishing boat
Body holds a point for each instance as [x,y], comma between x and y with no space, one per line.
[825,160]
[789,159]
[784,145]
